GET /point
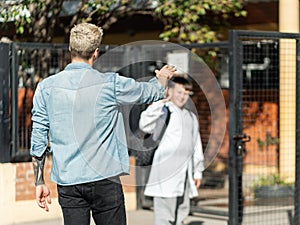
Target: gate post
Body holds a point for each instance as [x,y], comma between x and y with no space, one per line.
[296,220]
[235,128]
[4,103]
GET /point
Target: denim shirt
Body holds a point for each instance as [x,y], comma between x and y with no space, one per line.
[78,109]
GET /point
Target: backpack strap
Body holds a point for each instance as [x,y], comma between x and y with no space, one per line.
[162,124]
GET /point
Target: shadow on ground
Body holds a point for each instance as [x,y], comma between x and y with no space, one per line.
[195,223]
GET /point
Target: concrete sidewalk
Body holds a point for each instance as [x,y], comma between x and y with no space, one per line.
[141,217]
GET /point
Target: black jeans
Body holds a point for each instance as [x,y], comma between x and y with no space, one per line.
[103,198]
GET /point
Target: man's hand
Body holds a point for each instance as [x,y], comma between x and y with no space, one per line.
[42,195]
[164,74]
[197,182]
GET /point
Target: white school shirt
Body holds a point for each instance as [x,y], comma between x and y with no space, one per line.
[179,153]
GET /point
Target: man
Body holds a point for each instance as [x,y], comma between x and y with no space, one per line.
[177,166]
[79,109]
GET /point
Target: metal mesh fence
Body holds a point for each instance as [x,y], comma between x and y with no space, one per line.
[268,68]
[38,61]
[31,63]
[268,109]
[261,174]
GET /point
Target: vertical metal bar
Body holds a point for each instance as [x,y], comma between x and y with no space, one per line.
[235,105]
[4,102]
[233,215]
[14,100]
[240,145]
[297,175]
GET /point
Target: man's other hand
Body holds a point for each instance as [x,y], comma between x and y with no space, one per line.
[42,195]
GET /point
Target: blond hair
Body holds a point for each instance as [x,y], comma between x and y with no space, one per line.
[85,38]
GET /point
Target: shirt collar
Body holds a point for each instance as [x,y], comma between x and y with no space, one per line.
[173,107]
[78,65]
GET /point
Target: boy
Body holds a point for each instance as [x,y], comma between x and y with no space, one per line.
[177,166]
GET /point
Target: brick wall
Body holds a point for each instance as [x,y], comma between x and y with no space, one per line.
[25,189]
[204,115]
[129,182]
[260,119]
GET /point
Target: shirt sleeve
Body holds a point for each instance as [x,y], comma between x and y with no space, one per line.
[40,124]
[150,116]
[198,156]
[129,91]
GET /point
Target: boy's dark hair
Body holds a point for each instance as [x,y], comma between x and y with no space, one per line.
[180,80]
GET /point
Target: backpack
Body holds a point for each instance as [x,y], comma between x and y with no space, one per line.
[151,142]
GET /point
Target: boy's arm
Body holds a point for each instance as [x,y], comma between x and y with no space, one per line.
[149,117]
[198,162]
[198,157]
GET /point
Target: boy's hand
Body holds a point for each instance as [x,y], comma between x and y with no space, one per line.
[197,182]
[164,100]
[164,74]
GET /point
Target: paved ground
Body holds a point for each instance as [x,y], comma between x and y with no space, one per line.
[252,215]
[142,217]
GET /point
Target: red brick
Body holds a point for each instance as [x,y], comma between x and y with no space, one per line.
[25,189]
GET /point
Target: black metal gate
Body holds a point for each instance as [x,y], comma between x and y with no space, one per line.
[4,102]
[258,136]
[263,128]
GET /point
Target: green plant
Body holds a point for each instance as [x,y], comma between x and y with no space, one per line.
[272,186]
[268,142]
[270,180]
